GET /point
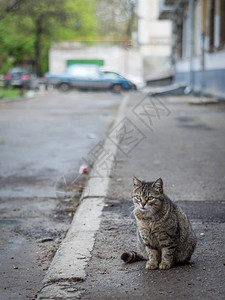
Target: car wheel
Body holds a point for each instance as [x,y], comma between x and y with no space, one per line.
[117,88]
[64,87]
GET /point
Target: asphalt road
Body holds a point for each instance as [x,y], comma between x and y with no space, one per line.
[43,142]
[185,145]
[167,137]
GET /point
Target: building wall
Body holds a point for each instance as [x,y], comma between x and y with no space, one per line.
[209,49]
[125,61]
[211,81]
[154,38]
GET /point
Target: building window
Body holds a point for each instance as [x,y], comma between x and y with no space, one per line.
[216,24]
[211,24]
[222,23]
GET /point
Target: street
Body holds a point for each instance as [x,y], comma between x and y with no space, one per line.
[166,137]
[175,138]
[43,142]
[112,116]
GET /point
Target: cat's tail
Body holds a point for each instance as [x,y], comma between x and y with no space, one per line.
[132,256]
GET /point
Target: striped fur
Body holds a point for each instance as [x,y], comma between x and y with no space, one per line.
[164,233]
[129,257]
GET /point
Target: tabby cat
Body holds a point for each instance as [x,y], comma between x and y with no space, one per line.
[164,234]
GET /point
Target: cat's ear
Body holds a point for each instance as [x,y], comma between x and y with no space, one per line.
[158,185]
[137,182]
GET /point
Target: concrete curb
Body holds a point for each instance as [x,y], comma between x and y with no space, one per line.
[10,100]
[203,101]
[68,265]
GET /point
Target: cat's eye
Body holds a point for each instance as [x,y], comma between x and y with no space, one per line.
[150,198]
[138,197]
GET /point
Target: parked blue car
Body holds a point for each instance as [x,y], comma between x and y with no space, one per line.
[89,77]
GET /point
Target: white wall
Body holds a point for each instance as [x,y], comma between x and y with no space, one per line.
[197,28]
[115,57]
[154,37]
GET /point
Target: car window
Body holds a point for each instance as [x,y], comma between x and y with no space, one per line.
[112,75]
[83,72]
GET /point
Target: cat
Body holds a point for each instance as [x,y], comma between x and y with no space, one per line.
[164,234]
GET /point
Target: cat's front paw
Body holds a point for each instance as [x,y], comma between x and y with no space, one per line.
[164,266]
[150,265]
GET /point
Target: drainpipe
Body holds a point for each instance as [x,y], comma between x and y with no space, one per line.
[191,45]
[202,63]
[204,28]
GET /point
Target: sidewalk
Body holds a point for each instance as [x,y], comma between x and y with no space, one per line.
[155,137]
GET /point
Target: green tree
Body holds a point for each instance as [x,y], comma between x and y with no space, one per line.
[35,24]
[117,18]
[15,44]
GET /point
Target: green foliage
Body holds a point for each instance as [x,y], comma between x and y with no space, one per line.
[81,21]
[9,93]
[29,26]
[15,45]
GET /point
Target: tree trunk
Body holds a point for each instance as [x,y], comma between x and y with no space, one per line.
[37,47]
[131,21]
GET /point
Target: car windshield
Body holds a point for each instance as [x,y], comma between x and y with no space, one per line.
[83,71]
[17,70]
